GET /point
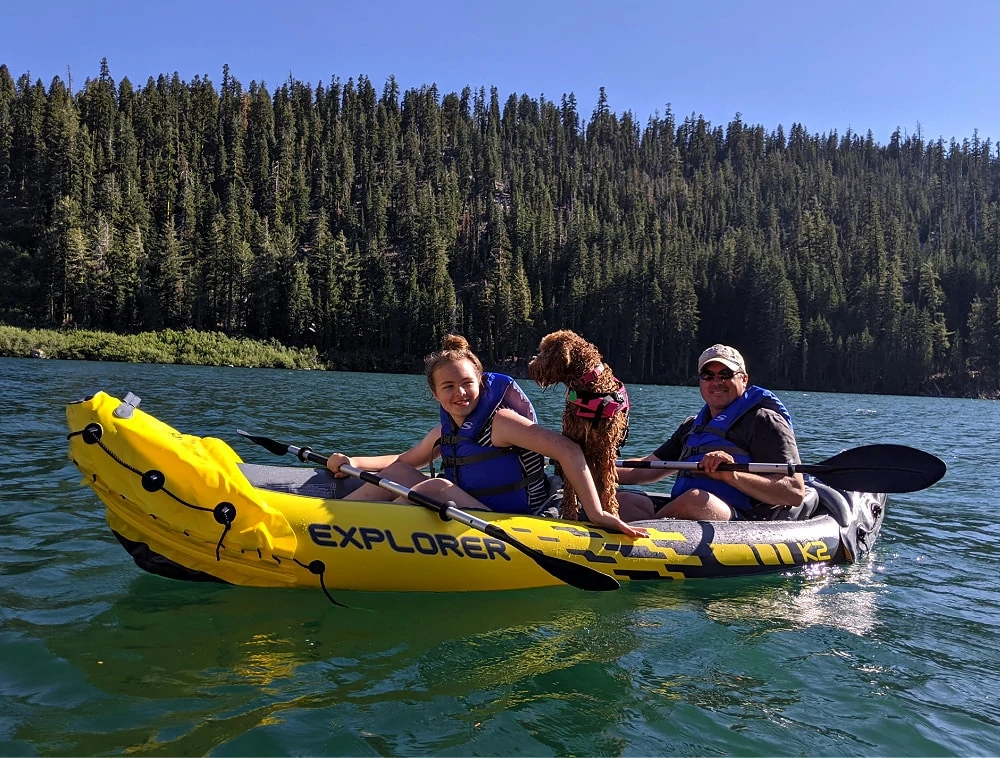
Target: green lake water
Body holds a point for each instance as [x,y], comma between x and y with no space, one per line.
[896,655]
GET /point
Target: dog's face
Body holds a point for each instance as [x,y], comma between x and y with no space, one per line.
[563,357]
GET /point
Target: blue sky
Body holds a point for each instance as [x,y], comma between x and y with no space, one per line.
[830,66]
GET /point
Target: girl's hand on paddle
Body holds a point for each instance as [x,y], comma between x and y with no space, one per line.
[335,461]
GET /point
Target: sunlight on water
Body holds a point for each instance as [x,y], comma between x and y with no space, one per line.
[834,598]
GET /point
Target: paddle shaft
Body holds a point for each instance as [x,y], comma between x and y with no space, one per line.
[753,468]
[574,574]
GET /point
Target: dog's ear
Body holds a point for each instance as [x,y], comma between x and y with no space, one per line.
[566,350]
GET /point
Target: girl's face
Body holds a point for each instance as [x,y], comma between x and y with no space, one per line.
[456,387]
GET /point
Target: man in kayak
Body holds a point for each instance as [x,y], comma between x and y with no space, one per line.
[739,423]
[491,446]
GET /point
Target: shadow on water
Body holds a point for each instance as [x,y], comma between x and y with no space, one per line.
[199,668]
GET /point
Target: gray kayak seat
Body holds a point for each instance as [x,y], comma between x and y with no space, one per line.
[802,512]
[818,498]
[834,502]
[310,482]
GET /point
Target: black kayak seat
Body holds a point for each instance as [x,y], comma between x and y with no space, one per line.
[819,498]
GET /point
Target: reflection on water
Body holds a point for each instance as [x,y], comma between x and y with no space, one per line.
[836,597]
[233,659]
[262,636]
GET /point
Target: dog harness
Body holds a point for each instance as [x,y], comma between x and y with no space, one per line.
[711,434]
[596,406]
[591,376]
[507,479]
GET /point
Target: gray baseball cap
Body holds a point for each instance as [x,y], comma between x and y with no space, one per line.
[727,356]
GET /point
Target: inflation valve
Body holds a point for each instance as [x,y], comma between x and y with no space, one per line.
[128,404]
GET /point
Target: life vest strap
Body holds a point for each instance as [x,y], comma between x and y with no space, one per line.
[725,445]
[452,462]
[500,489]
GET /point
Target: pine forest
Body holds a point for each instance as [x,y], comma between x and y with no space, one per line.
[368,224]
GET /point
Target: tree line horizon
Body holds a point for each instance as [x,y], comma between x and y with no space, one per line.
[368,225]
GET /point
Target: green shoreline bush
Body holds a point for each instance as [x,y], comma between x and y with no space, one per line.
[187,346]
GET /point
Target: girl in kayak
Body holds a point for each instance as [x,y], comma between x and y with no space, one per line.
[491,447]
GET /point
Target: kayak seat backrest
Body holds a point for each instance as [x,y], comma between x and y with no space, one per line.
[309,482]
[834,502]
[807,510]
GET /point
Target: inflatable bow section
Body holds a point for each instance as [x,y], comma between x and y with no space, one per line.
[204,510]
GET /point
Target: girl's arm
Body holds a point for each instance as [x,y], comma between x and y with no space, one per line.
[417,456]
[512,429]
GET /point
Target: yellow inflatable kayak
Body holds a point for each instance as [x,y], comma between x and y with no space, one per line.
[188,507]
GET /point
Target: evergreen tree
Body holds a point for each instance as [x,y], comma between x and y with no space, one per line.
[163,281]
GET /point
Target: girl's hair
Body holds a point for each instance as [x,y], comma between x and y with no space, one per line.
[454,348]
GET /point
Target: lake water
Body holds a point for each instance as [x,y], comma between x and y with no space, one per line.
[897,655]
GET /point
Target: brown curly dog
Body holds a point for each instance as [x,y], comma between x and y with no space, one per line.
[596,412]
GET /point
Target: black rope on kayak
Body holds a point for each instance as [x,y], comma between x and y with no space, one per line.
[92,434]
[225,514]
[319,568]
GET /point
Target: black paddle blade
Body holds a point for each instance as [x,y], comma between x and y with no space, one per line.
[272,446]
[574,574]
[879,468]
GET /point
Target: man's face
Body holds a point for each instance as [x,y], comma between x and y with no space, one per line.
[720,385]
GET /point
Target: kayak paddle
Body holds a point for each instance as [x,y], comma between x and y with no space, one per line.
[575,574]
[869,468]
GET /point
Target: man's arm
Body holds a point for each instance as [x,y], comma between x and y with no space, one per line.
[773,441]
[767,437]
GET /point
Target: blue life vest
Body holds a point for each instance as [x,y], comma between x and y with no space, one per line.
[507,479]
[710,434]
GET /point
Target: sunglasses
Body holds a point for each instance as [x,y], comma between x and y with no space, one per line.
[708,376]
